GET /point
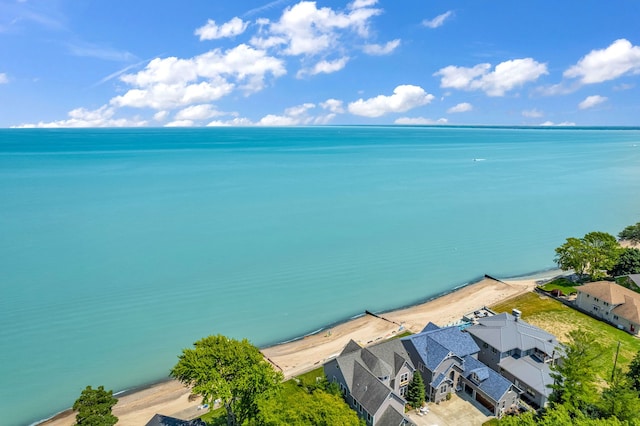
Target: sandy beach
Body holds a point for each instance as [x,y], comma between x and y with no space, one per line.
[172,398]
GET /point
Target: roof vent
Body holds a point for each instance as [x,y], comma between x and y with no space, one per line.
[516,313]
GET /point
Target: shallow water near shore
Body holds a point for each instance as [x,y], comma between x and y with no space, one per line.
[121,247]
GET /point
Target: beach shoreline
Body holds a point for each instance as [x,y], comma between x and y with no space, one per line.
[136,406]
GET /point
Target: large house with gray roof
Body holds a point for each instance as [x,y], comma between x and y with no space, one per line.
[611,302]
[374,380]
[447,359]
[519,351]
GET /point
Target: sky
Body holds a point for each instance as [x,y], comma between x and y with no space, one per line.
[155,63]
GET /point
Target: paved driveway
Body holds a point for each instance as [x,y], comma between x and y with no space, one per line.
[460,410]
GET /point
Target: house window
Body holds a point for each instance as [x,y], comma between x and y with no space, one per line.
[494,350]
[596,299]
[404,379]
[606,313]
[531,393]
[443,389]
[615,317]
[360,408]
[485,345]
[403,391]
[368,417]
[420,366]
[587,296]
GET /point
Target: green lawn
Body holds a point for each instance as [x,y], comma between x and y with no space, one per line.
[564,285]
[558,319]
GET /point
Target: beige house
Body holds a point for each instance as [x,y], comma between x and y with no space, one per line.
[611,302]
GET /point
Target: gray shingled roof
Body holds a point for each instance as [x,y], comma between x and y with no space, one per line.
[437,344]
[160,420]
[392,417]
[367,389]
[493,384]
[536,374]
[361,368]
[378,367]
[352,346]
[504,333]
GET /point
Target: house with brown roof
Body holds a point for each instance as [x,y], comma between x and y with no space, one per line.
[611,302]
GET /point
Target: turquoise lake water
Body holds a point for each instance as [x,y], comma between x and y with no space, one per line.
[118,248]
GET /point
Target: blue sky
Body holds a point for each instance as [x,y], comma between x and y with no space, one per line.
[69,63]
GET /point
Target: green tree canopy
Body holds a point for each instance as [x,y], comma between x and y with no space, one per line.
[592,254]
[634,372]
[631,233]
[628,263]
[415,391]
[572,255]
[303,408]
[94,407]
[574,379]
[620,399]
[230,370]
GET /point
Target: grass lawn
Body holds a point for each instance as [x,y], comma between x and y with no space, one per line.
[564,285]
[558,319]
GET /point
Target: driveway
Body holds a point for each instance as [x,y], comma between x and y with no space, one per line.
[460,410]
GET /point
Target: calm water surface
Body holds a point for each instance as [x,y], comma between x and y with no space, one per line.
[120,247]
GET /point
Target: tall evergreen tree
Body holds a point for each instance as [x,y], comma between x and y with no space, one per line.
[620,399]
[634,372]
[94,407]
[574,379]
[415,391]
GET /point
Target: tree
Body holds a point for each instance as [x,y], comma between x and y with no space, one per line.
[603,251]
[94,407]
[574,379]
[572,255]
[620,399]
[592,254]
[230,370]
[631,233]
[300,407]
[634,372]
[628,263]
[415,391]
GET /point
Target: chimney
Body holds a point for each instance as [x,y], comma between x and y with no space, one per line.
[516,313]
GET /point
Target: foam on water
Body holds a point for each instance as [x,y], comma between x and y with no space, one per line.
[119,248]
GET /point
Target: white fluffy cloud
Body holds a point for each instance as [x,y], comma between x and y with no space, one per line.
[620,58]
[591,101]
[299,110]
[180,123]
[505,77]
[333,105]
[325,67]
[82,117]
[278,120]
[197,112]
[404,98]
[238,121]
[381,49]
[532,113]
[420,121]
[563,124]
[438,21]
[462,107]
[172,82]
[305,29]
[212,31]
[3,78]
